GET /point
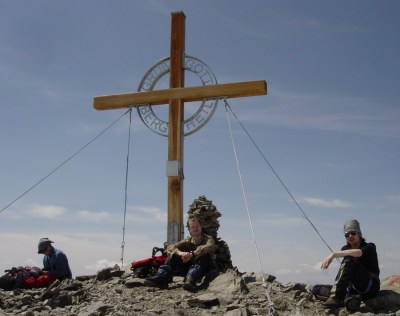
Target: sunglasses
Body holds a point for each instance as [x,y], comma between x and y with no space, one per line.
[352,233]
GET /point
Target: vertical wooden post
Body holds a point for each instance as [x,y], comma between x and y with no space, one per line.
[175,229]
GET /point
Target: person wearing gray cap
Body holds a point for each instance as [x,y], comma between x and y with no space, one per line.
[358,276]
[55,264]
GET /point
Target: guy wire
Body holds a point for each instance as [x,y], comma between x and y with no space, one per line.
[244,195]
[62,164]
[277,176]
[126,188]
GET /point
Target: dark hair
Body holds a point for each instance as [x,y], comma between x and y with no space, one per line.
[362,240]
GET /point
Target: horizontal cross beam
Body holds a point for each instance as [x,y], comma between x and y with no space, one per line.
[186,94]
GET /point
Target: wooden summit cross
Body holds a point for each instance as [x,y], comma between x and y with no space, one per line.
[175,96]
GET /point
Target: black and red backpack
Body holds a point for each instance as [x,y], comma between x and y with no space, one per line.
[148,267]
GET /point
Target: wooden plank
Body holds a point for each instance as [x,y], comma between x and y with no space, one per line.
[186,94]
[175,136]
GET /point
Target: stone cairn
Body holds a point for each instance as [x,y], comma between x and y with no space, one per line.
[208,215]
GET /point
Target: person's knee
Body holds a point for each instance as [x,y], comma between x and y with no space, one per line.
[195,271]
[164,269]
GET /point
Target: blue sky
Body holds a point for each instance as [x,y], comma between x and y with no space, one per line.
[329,126]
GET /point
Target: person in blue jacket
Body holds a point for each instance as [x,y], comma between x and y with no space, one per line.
[55,267]
[55,263]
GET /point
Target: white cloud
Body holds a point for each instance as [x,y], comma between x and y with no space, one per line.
[26,245]
[334,203]
[344,114]
[45,211]
[146,214]
[93,216]
[395,199]
[101,264]
[267,219]
[277,220]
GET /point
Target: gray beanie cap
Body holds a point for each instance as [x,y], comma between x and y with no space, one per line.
[352,225]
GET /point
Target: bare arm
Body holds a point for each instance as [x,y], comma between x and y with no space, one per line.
[186,254]
[344,253]
[175,249]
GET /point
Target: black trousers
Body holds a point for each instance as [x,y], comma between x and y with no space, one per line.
[196,268]
[353,279]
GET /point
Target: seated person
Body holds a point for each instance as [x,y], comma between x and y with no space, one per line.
[358,276]
[192,258]
[55,264]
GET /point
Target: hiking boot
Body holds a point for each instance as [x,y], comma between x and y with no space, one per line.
[157,282]
[190,284]
[352,302]
[320,291]
[333,302]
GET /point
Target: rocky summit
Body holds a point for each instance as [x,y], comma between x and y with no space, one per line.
[117,292]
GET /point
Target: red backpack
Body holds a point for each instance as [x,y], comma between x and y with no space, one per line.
[149,266]
[14,277]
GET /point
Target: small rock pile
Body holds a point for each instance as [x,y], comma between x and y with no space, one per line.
[116,292]
[208,215]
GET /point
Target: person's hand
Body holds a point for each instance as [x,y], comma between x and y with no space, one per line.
[327,261]
[186,256]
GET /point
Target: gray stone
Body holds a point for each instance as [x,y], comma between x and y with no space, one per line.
[134,282]
[386,300]
[104,274]
[228,294]
[203,301]
[229,282]
[238,312]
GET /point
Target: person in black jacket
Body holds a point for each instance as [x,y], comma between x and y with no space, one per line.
[358,276]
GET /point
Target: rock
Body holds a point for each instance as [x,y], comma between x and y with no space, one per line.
[85,277]
[229,282]
[96,309]
[104,274]
[249,277]
[229,294]
[61,300]
[206,300]
[208,215]
[133,282]
[385,301]
[238,312]
[391,283]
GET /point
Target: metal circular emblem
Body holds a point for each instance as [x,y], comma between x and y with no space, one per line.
[203,113]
